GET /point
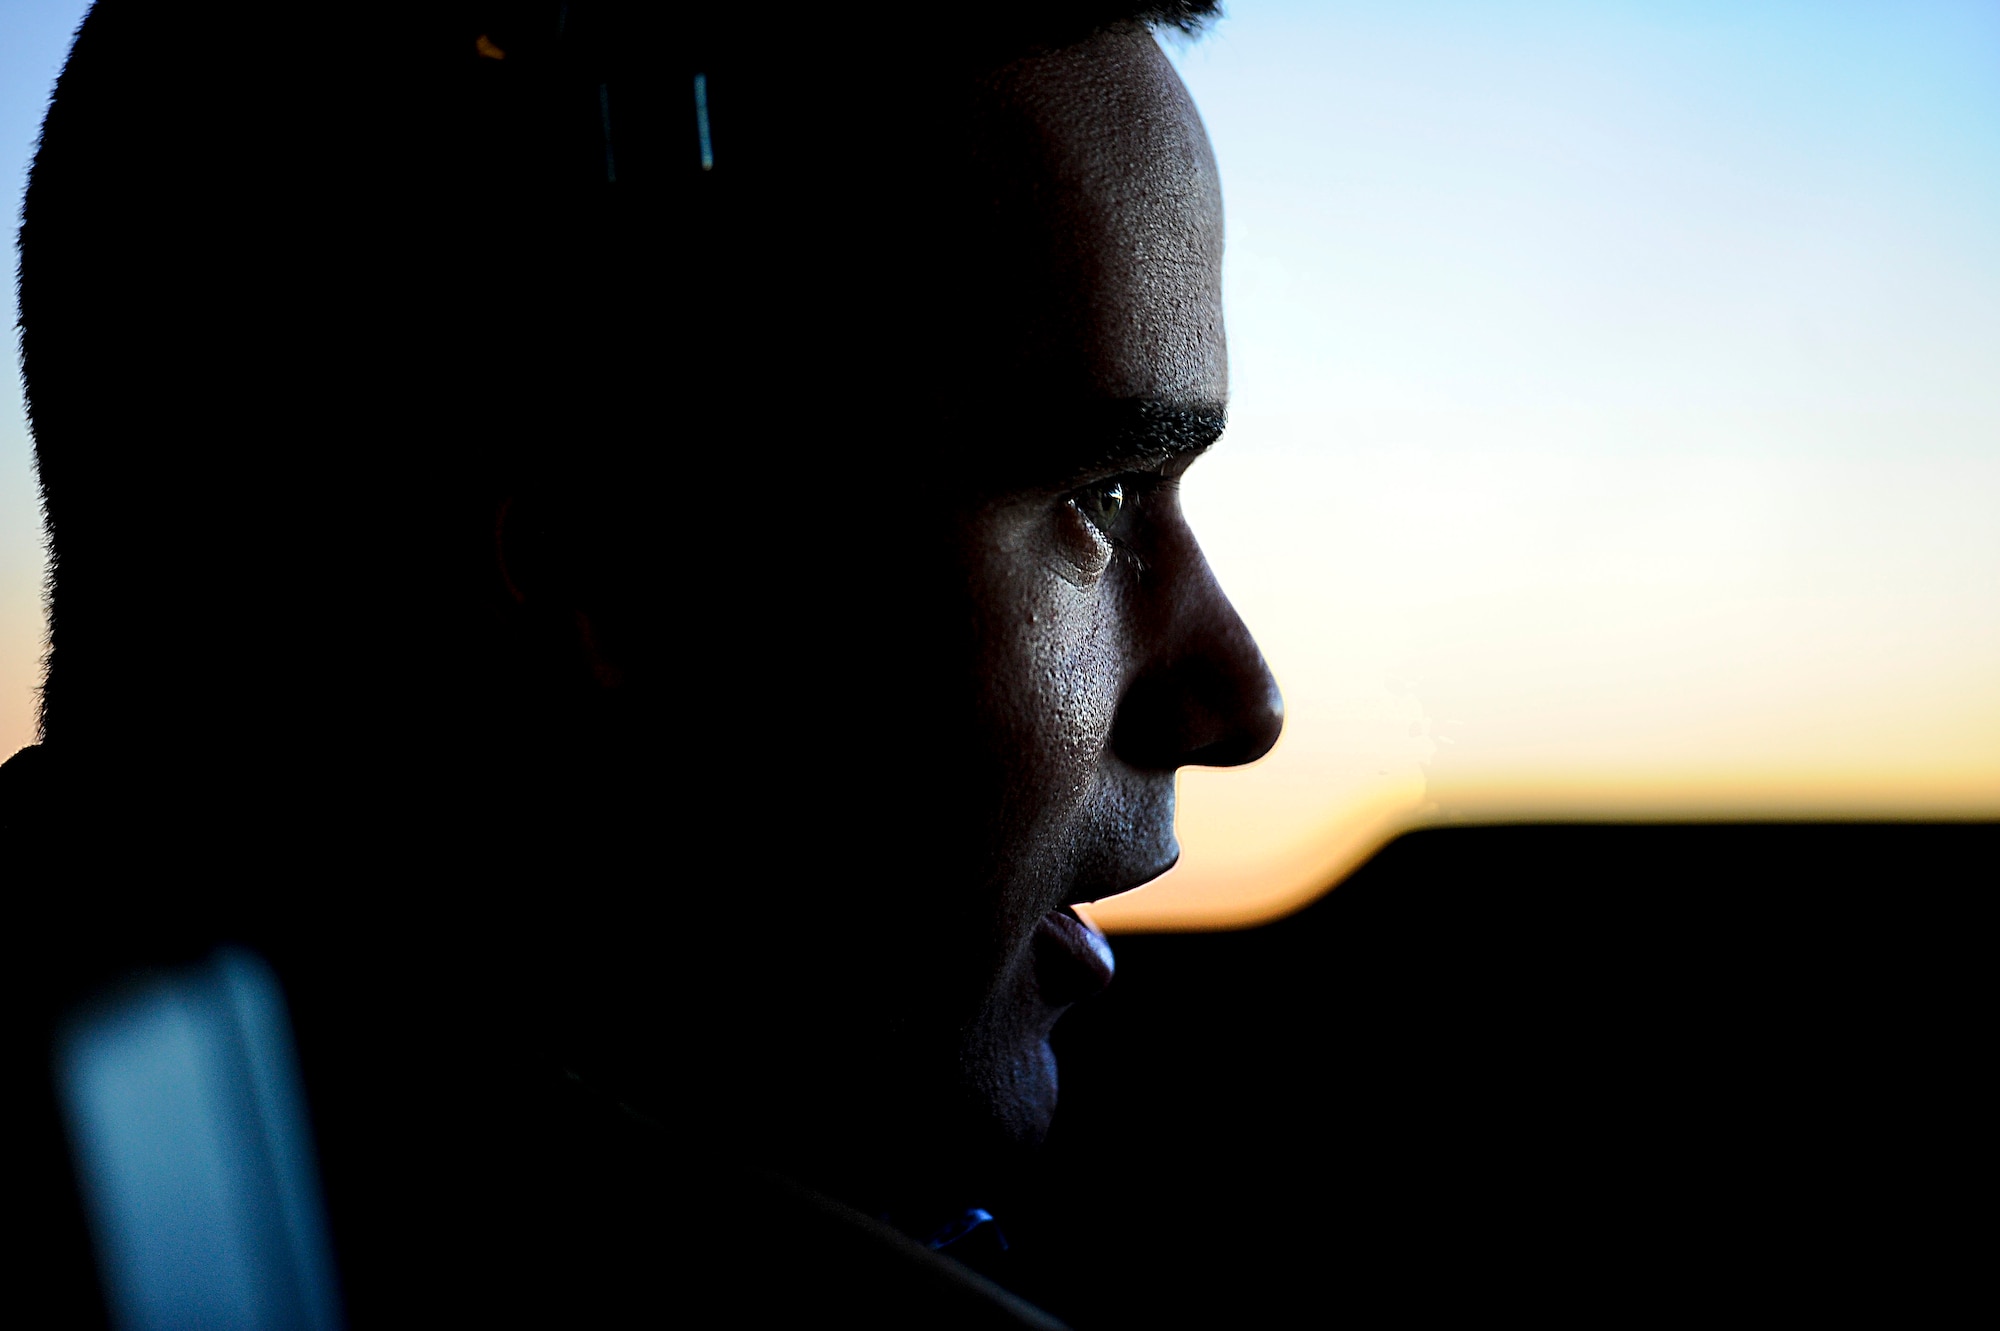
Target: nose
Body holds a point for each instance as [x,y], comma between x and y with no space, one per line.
[1203,696]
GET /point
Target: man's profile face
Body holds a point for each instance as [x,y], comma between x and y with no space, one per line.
[1103,654]
[986,636]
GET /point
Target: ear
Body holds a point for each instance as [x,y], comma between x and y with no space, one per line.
[546,576]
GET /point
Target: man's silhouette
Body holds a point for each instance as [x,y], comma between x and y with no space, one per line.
[635,557]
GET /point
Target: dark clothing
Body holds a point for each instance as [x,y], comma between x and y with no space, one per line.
[466,1180]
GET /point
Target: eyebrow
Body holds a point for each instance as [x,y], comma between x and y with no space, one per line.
[1057,444]
[1142,429]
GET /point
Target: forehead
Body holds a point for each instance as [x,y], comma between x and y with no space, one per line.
[1098,159]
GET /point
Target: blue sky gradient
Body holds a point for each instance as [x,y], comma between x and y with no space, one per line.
[34,38]
[1616,423]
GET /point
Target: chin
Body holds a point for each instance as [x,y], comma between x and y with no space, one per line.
[1023,1097]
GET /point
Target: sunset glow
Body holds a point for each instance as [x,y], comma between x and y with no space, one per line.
[1616,421]
[1616,431]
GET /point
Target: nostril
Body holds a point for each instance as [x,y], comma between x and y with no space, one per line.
[1199,713]
[1260,725]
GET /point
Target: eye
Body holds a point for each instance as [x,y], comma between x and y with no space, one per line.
[1103,504]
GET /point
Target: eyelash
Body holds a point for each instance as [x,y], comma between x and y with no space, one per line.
[1137,488]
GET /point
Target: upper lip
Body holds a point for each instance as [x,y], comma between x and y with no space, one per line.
[1085,893]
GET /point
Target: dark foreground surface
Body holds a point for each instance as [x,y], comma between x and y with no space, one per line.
[1583,1074]
[1572,1072]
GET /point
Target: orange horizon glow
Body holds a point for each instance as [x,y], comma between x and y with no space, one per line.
[1229,880]
[1615,431]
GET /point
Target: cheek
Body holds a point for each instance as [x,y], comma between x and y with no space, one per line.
[1046,675]
[1066,667]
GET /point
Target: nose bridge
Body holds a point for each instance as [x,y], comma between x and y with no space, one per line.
[1202,694]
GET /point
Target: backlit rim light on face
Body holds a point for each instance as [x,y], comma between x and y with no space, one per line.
[1614,433]
[1614,430]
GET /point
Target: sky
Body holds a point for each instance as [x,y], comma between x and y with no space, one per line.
[1615,424]
[34,37]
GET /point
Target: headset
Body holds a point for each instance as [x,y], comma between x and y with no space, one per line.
[178,1086]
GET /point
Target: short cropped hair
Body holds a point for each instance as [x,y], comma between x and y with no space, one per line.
[303,289]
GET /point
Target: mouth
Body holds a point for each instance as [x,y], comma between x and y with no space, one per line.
[1072,960]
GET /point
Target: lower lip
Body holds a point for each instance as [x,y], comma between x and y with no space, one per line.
[1073,960]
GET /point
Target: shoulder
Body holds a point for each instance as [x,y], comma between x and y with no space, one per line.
[29,803]
[850,1264]
[22,777]
[648,1222]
